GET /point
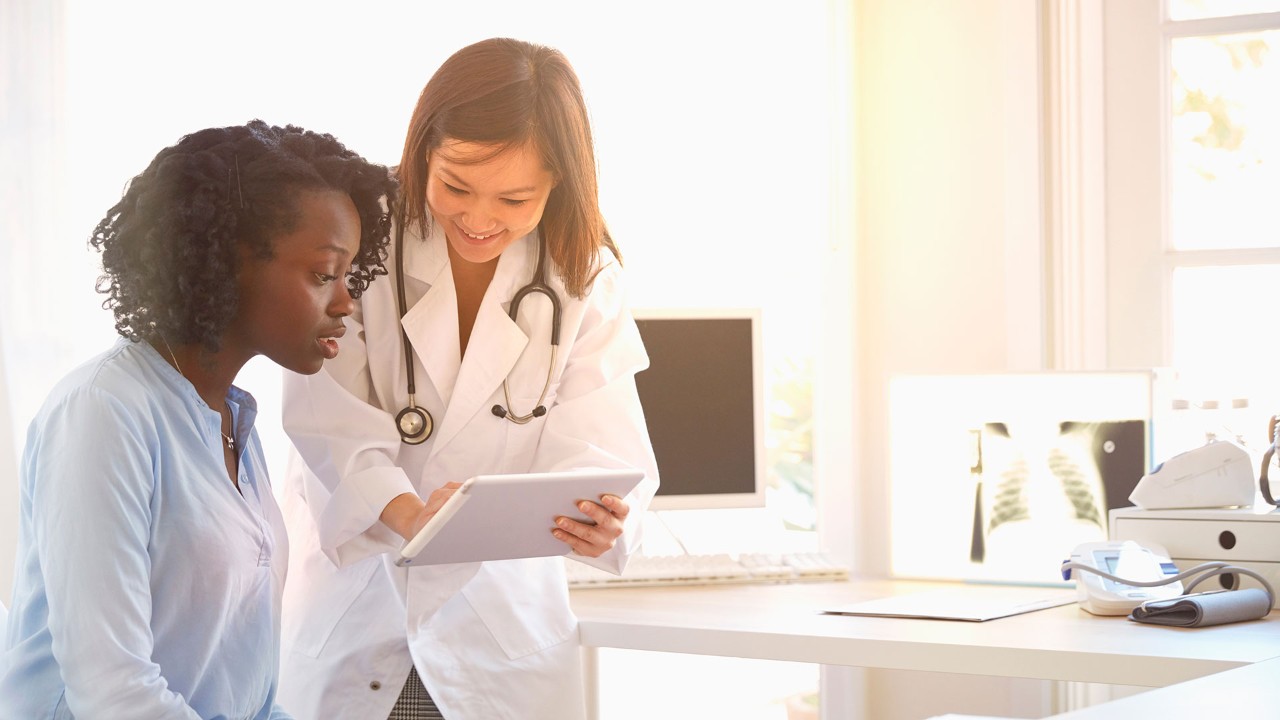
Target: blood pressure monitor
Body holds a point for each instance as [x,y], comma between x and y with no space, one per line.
[1127,560]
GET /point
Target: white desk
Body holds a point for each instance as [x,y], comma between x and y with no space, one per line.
[784,622]
[1238,694]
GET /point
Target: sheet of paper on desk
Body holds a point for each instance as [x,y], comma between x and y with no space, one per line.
[974,603]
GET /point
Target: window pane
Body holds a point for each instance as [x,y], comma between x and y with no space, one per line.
[1223,333]
[1223,337]
[1225,141]
[1196,9]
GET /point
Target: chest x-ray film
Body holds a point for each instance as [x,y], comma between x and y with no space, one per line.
[998,477]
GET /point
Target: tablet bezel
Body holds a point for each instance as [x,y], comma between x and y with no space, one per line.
[505,517]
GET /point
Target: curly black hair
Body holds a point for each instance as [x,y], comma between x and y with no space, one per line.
[170,247]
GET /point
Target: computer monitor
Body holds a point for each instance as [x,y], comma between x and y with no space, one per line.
[702,399]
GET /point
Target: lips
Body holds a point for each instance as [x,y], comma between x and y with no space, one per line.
[478,237]
[329,342]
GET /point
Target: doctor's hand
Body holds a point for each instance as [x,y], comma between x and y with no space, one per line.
[593,540]
[406,514]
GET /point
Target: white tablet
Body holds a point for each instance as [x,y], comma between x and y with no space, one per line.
[501,517]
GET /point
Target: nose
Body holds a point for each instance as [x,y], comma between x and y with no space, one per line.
[478,217]
[342,303]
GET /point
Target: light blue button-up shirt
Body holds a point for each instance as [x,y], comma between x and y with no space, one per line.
[146,586]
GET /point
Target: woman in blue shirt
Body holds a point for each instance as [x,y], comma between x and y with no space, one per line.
[151,552]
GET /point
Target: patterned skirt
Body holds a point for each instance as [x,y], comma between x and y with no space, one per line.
[415,703]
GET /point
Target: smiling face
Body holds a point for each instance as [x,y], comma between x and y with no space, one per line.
[292,305]
[485,204]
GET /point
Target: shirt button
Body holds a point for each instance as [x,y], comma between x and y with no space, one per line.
[375,685]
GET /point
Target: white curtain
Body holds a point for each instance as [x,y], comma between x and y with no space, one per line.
[8,485]
[30,92]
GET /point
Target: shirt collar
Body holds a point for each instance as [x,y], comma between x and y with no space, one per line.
[246,407]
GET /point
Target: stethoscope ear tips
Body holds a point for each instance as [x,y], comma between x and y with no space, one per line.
[499,411]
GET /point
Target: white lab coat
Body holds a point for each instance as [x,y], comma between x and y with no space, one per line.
[490,640]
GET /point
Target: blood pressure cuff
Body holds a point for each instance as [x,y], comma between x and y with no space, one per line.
[1215,608]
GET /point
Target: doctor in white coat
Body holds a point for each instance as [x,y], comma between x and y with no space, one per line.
[497,164]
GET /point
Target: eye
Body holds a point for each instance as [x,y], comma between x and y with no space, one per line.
[325,279]
[513,202]
[452,189]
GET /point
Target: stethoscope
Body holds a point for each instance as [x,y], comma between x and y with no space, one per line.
[414,423]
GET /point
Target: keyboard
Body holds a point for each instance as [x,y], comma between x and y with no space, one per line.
[711,569]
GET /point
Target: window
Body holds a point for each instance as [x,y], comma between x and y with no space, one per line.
[1193,183]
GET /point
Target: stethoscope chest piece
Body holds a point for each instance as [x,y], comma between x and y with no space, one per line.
[415,425]
[413,422]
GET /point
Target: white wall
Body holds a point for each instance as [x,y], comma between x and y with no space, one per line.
[949,248]
[8,490]
[1134,213]
[939,262]
[30,207]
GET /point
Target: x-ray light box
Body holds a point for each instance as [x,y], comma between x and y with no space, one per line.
[998,477]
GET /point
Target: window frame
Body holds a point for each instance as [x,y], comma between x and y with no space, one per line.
[1141,257]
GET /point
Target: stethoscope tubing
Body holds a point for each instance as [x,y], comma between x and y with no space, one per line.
[415,424]
[400,301]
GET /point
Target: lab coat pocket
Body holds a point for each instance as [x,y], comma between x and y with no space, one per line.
[524,604]
[332,592]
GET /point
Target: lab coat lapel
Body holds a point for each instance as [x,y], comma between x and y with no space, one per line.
[432,321]
[496,343]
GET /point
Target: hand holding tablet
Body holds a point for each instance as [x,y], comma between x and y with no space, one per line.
[502,517]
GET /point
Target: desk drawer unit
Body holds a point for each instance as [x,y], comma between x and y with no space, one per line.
[1246,537]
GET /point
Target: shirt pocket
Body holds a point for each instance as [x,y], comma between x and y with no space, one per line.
[524,604]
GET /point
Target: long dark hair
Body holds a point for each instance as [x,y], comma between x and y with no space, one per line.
[507,93]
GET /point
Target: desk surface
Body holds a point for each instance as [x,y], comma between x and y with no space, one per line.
[785,622]
[1241,693]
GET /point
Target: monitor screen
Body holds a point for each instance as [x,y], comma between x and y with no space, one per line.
[702,403]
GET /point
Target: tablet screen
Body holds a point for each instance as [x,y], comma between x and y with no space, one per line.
[503,517]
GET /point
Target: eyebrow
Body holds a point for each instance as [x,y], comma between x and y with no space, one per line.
[513,191]
[333,249]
